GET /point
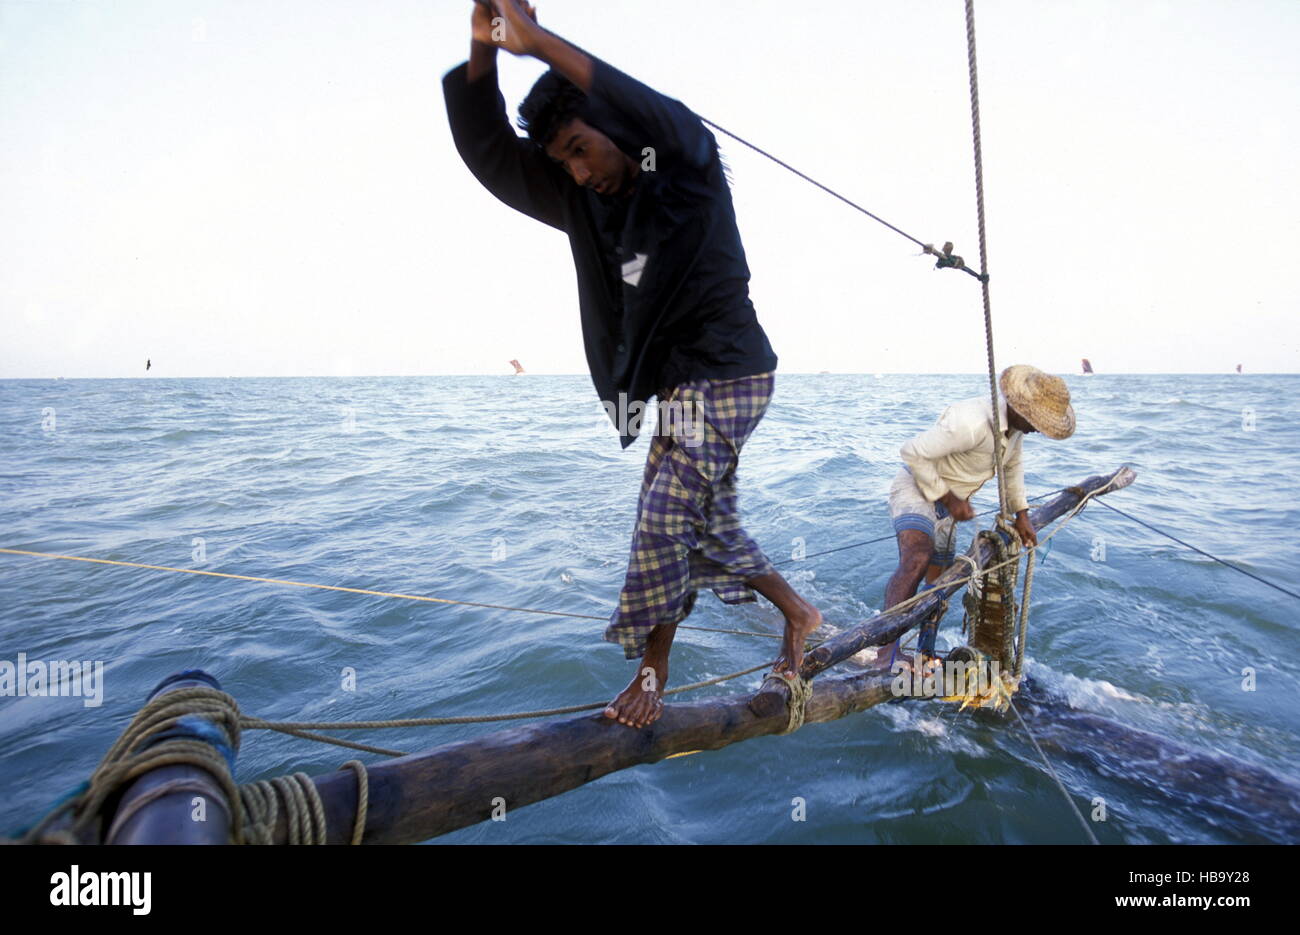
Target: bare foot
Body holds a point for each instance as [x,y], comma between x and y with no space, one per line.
[797,628]
[641,703]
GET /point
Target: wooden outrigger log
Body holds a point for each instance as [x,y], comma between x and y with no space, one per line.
[420,796]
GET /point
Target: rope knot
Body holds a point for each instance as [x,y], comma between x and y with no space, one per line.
[800,691]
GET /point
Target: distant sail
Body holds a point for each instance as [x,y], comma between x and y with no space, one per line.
[1087,367]
[1239,368]
[519,368]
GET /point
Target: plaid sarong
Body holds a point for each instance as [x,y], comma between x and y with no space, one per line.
[688,533]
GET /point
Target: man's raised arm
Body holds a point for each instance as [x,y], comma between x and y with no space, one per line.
[509,166]
[668,125]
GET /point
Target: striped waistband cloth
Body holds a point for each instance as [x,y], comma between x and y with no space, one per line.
[688,533]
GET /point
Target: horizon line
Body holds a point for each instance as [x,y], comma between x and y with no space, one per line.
[810,373]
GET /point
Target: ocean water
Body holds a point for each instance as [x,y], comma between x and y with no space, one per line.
[514,491]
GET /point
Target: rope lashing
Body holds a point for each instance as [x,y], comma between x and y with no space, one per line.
[990,604]
[45,834]
[162,734]
[363,798]
[297,795]
[259,799]
[294,727]
[143,746]
[800,692]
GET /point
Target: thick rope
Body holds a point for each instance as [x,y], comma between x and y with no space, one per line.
[984,257]
[797,704]
[254,808]
[297,795]
[137,751]
[1008,575]
[363,798]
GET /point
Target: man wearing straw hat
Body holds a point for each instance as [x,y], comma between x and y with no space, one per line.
[944,466]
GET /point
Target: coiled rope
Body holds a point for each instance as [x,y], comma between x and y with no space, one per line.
[254,808]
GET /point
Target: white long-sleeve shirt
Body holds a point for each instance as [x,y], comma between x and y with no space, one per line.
[957,454]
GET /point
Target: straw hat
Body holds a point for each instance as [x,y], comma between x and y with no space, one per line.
[1043,399]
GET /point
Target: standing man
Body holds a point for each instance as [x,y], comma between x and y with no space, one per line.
[635,181]
[944,467]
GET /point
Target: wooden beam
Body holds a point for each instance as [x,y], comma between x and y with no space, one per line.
[417,797]
[889,626]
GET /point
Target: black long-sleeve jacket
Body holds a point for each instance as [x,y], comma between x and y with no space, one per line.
[685,311]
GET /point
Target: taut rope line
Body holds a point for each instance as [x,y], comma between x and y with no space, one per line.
[984,258]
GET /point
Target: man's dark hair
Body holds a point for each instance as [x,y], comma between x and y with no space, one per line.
[553,101]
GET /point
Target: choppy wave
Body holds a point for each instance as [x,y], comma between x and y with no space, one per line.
[439,487]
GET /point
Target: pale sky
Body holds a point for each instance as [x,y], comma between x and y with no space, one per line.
[269,188]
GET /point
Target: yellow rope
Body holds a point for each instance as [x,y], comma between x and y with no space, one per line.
[375,593]
[444,600]
[298,584]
